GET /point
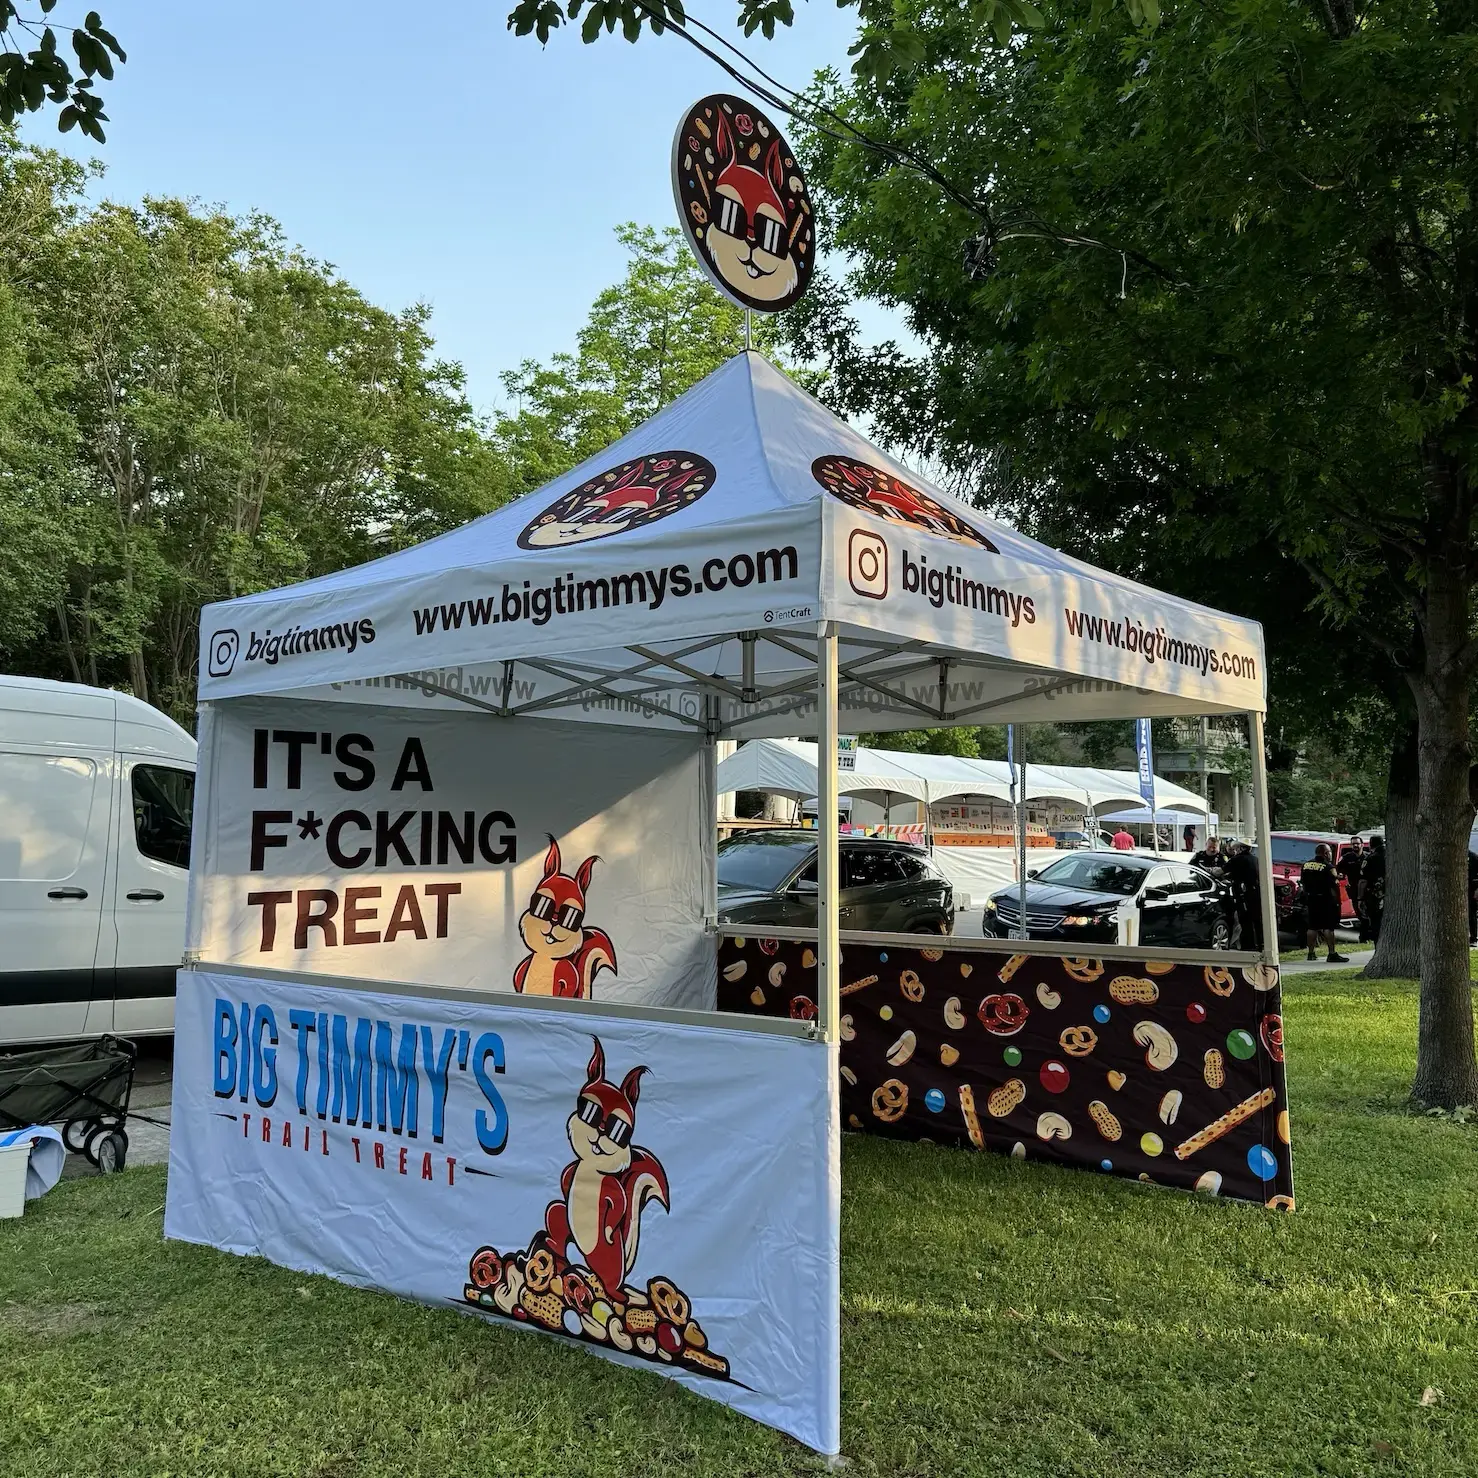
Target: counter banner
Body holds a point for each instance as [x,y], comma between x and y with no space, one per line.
[664,1194]
[454,849]
[1162,1072]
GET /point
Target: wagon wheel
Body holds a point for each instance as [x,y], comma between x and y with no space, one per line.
[75,1133]
[108,1150]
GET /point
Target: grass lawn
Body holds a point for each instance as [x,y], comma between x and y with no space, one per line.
[999,1318]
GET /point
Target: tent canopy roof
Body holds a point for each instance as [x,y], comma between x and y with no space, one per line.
[788,767]
[681,576]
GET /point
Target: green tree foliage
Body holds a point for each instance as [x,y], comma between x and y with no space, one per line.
[890,40]
[35,70]
[1225,297]
[191,410]
[649,338]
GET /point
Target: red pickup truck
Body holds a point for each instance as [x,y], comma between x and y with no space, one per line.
[1291,849]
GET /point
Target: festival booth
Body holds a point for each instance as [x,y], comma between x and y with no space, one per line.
[457,1019]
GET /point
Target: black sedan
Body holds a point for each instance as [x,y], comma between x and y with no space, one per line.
[1082,898]
[769,877]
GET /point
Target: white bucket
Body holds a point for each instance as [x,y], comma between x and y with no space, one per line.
[14,1160]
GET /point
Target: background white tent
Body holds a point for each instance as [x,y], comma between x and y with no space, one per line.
[788,767]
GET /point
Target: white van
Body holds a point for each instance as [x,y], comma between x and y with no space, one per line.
[96,790]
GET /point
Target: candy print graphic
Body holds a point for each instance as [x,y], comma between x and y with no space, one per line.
[870,489]
[743,202]
[1178,1082]
[625,497]
[574,1277]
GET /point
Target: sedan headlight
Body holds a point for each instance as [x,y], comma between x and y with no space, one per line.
[1080,920]
[990,905]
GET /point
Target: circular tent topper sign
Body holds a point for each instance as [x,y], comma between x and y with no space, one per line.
[870,489]
[627,496]
[743,202]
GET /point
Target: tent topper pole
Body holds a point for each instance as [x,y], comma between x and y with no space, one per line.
[828,940]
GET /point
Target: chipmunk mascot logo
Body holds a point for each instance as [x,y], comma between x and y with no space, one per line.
[574,1276]
[744,204]
[871,490]
[609,1180]
[624,497]
[564,954]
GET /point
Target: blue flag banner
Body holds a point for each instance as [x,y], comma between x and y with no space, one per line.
[1144,761]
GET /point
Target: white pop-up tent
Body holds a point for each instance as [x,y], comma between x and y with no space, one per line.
[418,770]
[681,577]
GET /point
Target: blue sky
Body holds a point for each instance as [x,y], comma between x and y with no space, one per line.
[426,152]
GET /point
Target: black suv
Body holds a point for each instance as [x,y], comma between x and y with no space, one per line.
[769,877]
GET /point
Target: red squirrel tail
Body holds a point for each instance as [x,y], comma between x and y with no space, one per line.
[596,953]
[645,1180]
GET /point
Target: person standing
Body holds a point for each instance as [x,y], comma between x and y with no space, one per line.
[1320,885]
[1351,863]
[1210,858]
[1473,897]
[1188,837]
[1123,842]
[1241,873]
[1373,886]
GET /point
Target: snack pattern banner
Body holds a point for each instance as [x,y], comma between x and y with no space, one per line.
[1166,1073]
[663,1194]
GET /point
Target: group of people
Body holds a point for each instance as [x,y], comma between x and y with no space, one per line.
[1236,865]
[1362,869]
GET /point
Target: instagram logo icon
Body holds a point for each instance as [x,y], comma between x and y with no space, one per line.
[221,653]
[867,564]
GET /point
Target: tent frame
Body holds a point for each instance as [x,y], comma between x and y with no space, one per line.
[828,682]
[586,681]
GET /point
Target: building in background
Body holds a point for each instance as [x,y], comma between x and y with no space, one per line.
[1209,756]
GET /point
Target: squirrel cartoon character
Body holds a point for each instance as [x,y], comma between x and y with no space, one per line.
[610,508]
[609,1181]
[751,234]
[564,955]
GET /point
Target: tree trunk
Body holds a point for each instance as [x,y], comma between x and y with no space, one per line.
[139,679]
[66,630]
[1397,953]
[1446,1074]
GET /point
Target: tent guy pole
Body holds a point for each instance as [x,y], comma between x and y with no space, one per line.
[1263,836]
[828,942]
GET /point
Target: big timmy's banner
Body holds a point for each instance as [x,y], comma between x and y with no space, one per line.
[454,849]
[663,1194]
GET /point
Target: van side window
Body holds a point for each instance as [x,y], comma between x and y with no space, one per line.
[45,806]
[163,799]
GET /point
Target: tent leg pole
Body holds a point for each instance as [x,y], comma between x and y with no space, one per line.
[1262,832]
[828,942]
